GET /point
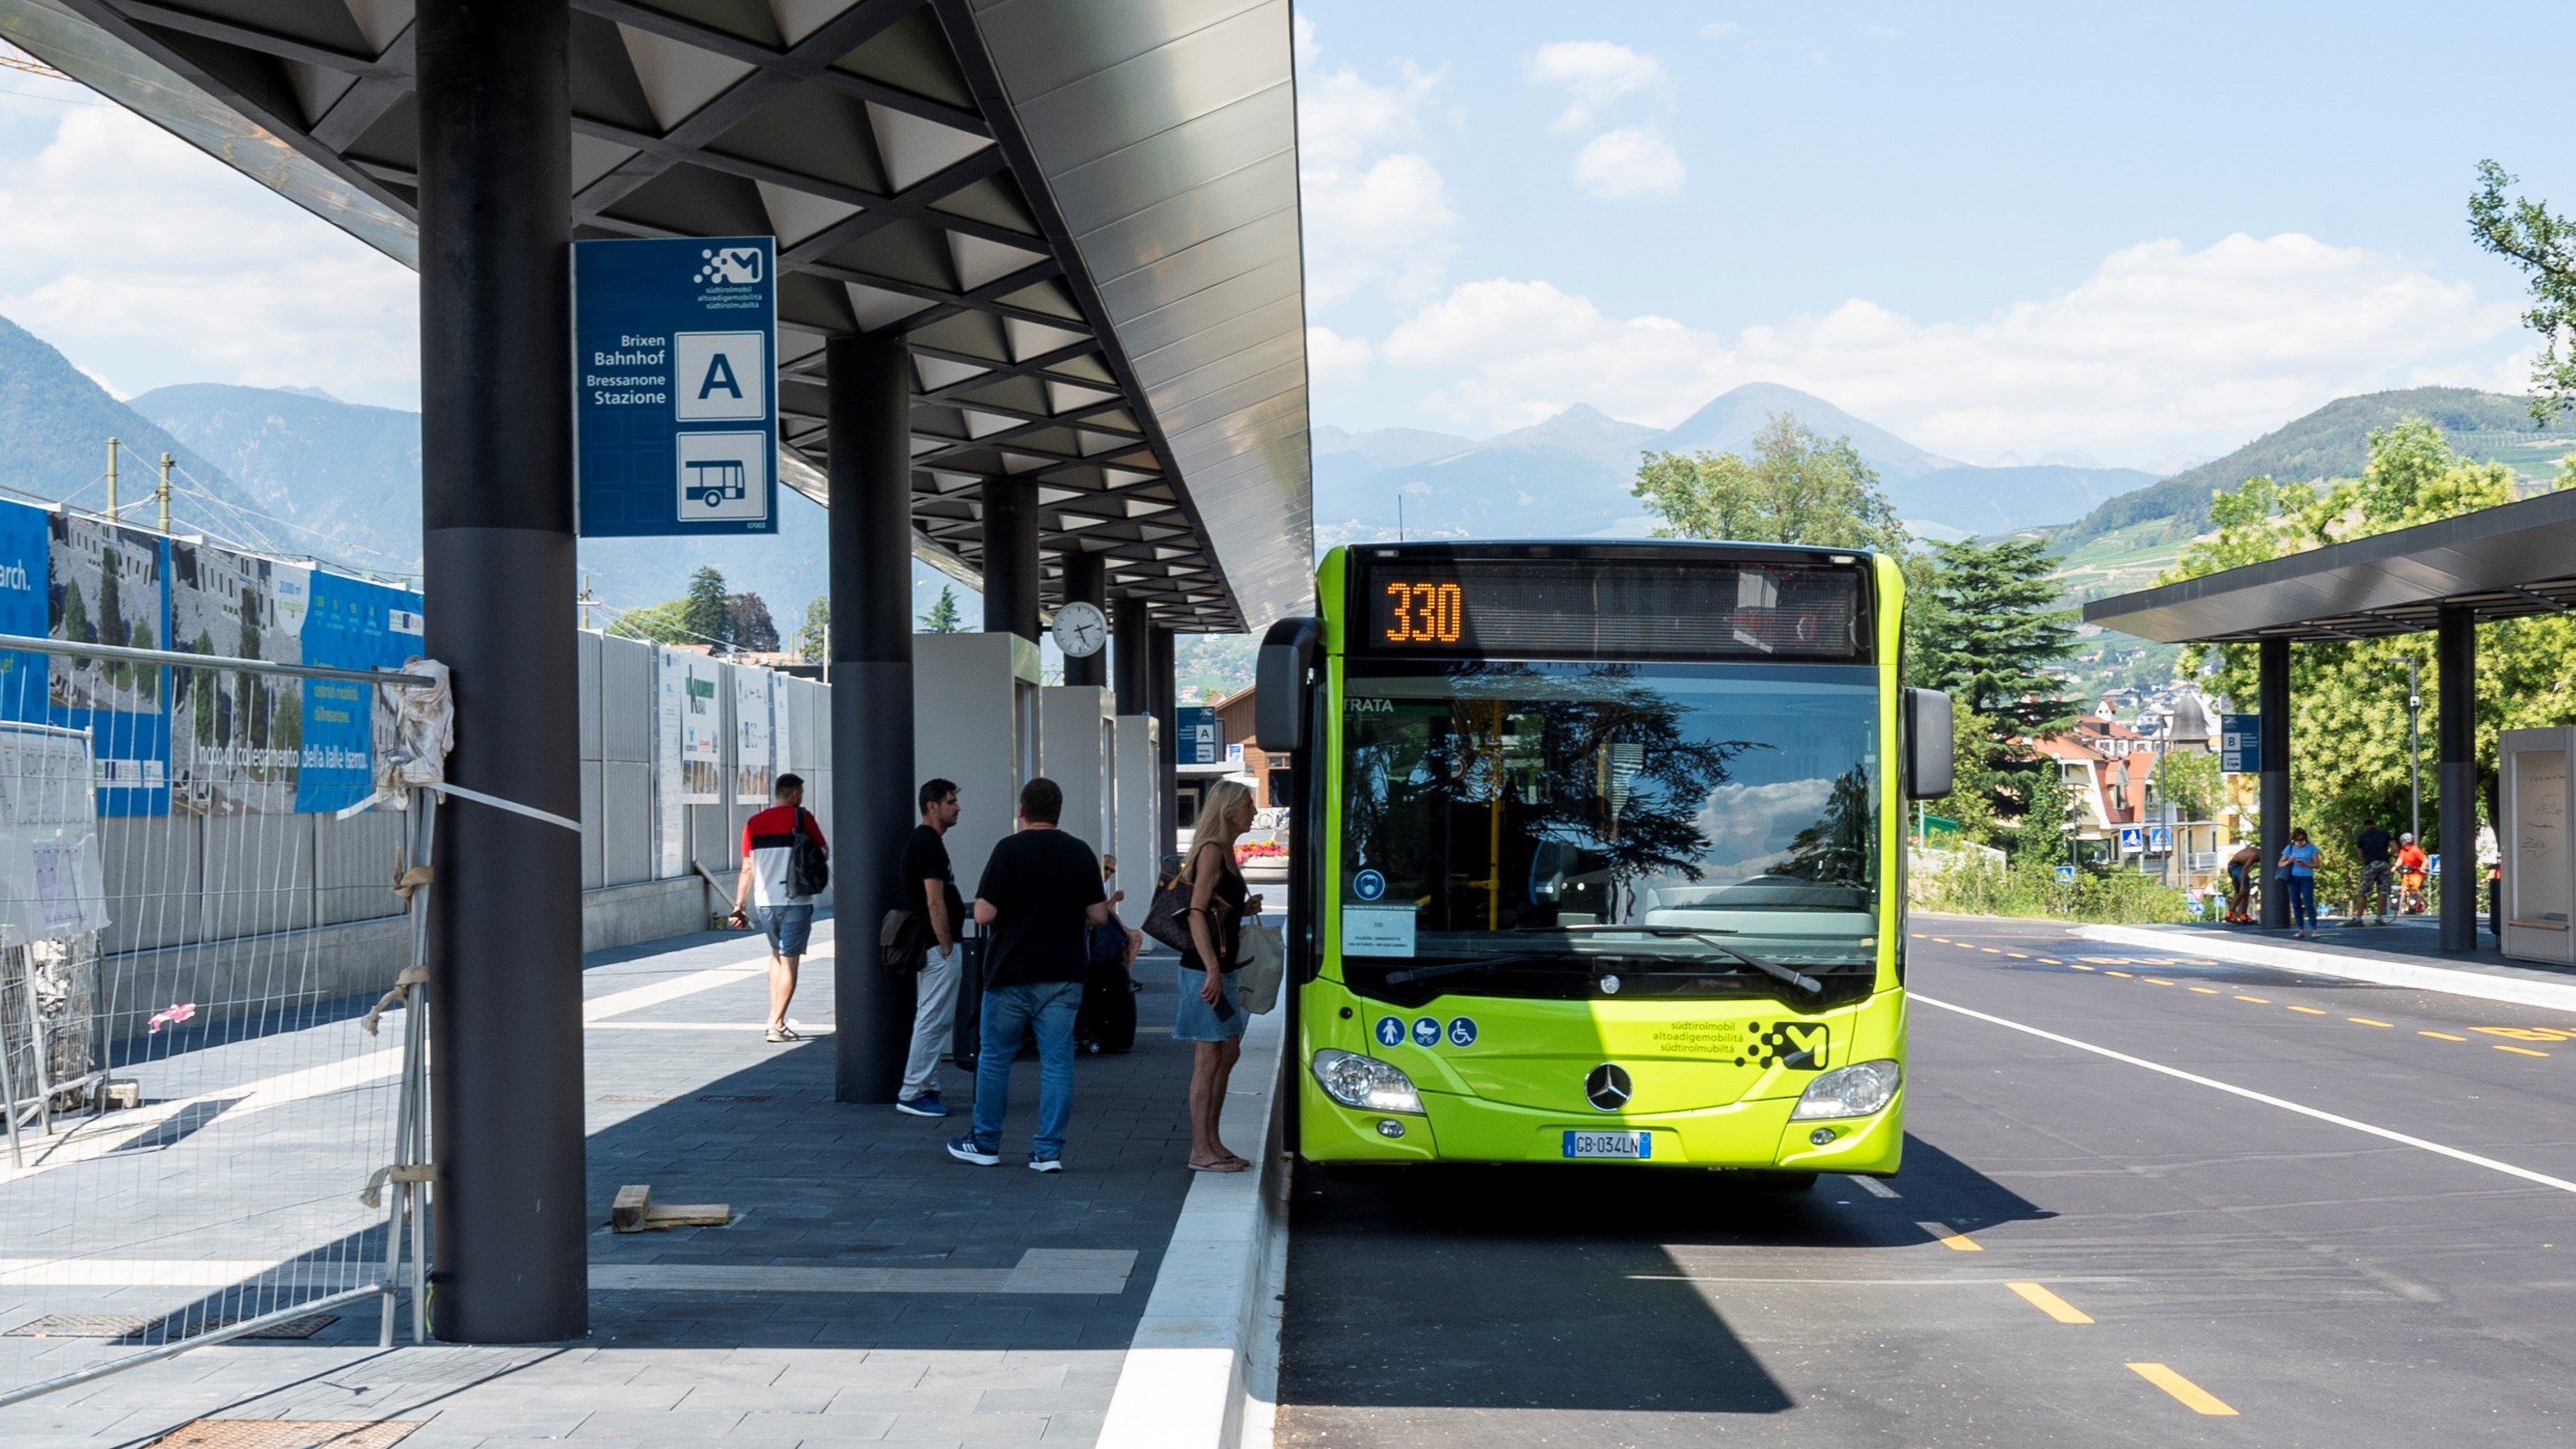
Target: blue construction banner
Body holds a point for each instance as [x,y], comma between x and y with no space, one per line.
[675,374]
[107,583]
[351,624]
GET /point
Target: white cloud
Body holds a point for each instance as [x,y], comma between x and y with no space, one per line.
[146,260]
[1594,74]
[2162,347]
[1718,29]
[1376,209]
[1631,163]
[1302,35]
[1332,358]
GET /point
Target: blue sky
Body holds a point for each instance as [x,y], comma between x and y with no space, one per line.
[2139,233]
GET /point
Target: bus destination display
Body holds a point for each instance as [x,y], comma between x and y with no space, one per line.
[1582,608]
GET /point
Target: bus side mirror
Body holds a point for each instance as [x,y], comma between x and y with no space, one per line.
[1279,699]
[1927,744]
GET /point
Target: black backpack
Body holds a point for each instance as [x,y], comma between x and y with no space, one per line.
[809,865]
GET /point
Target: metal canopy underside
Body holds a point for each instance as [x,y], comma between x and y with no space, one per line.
[1082,219]
[2496,563]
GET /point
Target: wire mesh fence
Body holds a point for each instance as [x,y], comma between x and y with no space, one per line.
[203,1109]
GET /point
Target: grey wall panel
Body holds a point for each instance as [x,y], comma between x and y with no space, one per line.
[155,882]
[626,822]
[587,653]
[353,862]
[628,707]
[594,832]
[712,841]
[258,874]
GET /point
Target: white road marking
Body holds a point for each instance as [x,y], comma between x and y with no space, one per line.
[1861,1282]
[1874,1187]
[2249,1094]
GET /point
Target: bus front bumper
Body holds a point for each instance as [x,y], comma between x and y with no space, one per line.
[1753,1134]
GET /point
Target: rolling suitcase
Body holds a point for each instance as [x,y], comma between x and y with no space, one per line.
[1108,1020]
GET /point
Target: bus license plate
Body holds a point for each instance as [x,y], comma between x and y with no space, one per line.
[1629,1145]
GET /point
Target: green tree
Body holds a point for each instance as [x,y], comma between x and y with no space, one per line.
[2047,820]
[1797,487]
[663,623]
[2190,780]
[814,638]
[1997,638]
[2525,233]
[943,616]
[748,625]
[707,610]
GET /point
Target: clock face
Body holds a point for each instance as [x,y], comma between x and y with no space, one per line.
[1080,630]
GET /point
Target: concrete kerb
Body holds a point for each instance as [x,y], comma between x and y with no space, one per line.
[2379,970]
[1202,1370]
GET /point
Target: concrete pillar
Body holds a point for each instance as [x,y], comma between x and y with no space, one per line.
[1164,692]
[2272,696]
[2455,699]
[1131,631]
[870,406]
[495,117]
[1086,581]
[1012,574]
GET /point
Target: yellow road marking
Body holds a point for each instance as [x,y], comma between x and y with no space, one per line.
[2442,1035]
[2257,1000]
[2207,990]
[2366,1021]
[2049,1303]
[2156,981]
[1951,1238]
[2193,1396]
[1989,950]
[2521,1051]
[2018,955]
[1944,940]
[1918,935]
[2309,1010]
[2052,961]
[2120,973]
[2078,965]
[2526,1033]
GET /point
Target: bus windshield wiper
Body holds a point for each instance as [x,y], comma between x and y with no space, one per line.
[1453,968]
[1799,979]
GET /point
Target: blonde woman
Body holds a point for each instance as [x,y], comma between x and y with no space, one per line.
[1209,1014]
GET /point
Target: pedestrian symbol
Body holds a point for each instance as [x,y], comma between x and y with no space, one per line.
[1426,1031]
[2066,875]
[1462,1031]
[1390,1031]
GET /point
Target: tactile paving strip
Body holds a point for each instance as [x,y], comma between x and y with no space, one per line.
[287,1434]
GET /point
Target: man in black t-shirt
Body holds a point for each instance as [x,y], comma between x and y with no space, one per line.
[1039,891]
[930,890]
[2372,845]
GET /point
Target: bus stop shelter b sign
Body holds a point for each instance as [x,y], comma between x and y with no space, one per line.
[676,417]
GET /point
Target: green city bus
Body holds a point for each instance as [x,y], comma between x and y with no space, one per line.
[1597,854]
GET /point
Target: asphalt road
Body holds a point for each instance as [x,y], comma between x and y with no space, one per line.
[2370,1240]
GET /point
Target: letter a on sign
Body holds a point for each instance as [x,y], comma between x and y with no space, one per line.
[722,376]
[719,375]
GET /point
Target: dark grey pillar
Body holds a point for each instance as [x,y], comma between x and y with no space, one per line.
[1086,581]
[1131,630]
[511,1228]
[2455,699]
[1161,688]
[1011,570]
[2272,702]
[872,786]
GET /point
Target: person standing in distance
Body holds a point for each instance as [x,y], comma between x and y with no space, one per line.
[768,840]
[1040,890]
[930,887]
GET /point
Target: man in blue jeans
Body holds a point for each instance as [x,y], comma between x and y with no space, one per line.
[1040,889]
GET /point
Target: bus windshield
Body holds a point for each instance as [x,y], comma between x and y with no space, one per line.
[1675,829]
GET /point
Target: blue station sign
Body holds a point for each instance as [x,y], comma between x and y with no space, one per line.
[676,390]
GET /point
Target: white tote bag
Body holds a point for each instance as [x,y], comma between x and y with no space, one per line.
[1263,955]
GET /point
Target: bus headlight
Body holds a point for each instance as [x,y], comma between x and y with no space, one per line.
[1853,1091]
[1365,1082]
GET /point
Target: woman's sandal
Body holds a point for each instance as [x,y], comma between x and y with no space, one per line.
[1228,1163]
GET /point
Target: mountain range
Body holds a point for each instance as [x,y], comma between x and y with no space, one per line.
[1570,475]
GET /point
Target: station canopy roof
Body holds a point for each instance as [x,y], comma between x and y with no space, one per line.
[1083,218]
[2495,563]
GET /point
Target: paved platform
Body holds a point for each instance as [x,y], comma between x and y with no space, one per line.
[2407,952]
[869,1288]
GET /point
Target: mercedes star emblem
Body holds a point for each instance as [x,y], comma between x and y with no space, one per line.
[1607,1087]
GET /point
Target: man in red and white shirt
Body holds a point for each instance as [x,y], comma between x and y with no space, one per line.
[768,841]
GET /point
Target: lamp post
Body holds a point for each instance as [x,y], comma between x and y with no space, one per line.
[2414,754]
